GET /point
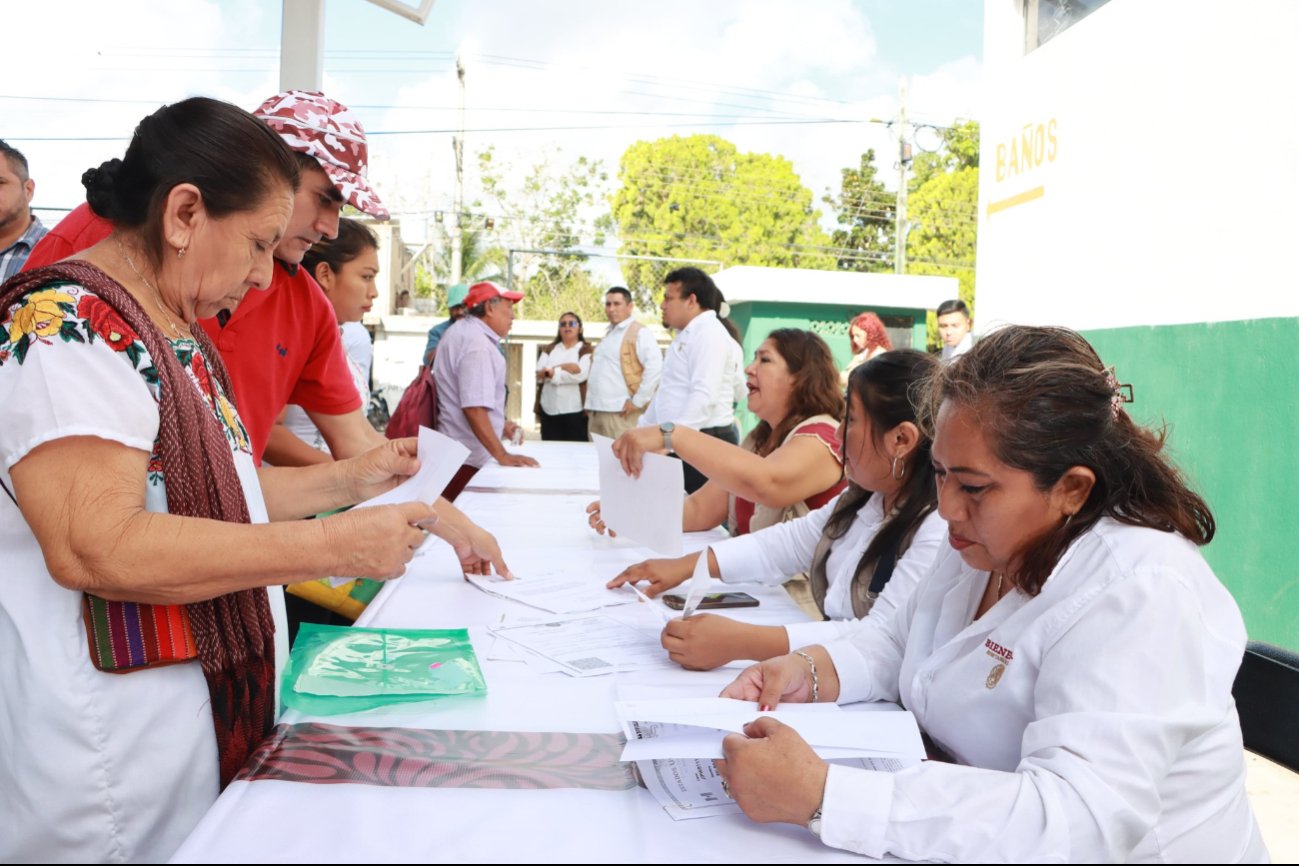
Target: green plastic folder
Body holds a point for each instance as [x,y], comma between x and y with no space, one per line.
[345,669]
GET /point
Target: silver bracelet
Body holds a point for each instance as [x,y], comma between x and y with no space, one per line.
[816,682]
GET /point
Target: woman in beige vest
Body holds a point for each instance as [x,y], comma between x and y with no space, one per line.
[866,550]
[788,466]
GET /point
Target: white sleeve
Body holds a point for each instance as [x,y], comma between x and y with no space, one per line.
[651,359]
[774,554]
[709,366]
[1110,716]
[65,388]
[563,377]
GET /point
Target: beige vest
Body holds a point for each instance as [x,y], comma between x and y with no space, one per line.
[765,515]
[632,368]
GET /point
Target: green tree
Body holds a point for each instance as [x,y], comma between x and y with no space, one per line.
[943,208]
[867,213]
[698,197]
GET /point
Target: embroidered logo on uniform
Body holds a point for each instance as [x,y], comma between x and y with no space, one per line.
[283,351]
[1003,657]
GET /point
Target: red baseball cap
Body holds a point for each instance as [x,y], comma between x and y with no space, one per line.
[486,290]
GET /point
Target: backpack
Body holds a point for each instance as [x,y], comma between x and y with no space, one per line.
[418,406]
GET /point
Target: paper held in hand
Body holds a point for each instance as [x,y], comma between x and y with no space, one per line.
[647,510]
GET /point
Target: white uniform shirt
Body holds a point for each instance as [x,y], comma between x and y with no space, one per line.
[606,390]
[774,554]
[562,393]
[951,353]
[1095,720]
[698,386]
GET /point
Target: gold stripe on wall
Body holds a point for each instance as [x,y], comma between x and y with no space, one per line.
[1019,198]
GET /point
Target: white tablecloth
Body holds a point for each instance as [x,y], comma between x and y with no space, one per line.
[351,823]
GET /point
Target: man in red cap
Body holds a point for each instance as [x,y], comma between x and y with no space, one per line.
[470,375]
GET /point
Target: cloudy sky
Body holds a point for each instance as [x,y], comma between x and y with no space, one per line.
[801,78]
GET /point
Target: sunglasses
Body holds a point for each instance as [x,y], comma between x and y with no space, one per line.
[568,323]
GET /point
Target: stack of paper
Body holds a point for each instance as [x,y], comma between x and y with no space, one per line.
[589,645]
[674,742]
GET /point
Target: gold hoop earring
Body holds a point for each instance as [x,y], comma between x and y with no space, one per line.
[899,468]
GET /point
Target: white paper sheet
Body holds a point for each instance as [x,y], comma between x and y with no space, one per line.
[440,457]
[648,510]
[558,590]
[700,582]
[589,645]
[695,728]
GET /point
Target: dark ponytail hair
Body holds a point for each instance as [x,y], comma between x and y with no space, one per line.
[353,239]
[233,158]
[1045,404]
[889,386]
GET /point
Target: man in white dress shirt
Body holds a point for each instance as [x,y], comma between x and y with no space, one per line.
[698,385]
[624,369]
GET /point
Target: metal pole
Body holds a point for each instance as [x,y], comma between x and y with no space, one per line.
[904,157]
[458,142]
[302,44]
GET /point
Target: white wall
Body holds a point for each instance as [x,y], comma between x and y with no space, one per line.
[1169,171]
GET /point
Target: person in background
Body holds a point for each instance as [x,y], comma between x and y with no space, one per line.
[1071,652]
[470,373]
[403,300]
[562,372]
[868,338]
[141,625]
[866,550]
[790,465]
[954,329]
[345,268]
[20,229]
[624,369]
[455,312]
[700,376]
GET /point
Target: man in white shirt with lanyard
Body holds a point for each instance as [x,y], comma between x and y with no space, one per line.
[698,385]
[624,369]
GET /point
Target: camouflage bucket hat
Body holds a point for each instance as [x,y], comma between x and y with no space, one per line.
[326,130]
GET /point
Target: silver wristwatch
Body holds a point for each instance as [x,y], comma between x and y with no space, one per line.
[666,429]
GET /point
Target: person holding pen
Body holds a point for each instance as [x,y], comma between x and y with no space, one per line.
[864,551]
[1071,651]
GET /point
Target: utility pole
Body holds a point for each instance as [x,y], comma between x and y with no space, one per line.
[458,144]
[904,160]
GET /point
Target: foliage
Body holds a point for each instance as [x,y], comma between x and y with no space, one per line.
[943,207]
[698,197]
[561,285]
[868,214]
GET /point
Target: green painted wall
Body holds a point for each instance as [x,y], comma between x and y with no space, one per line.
[757,319]
[1229,393]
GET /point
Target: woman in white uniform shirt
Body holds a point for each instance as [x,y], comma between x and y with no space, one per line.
[562,371]
[865,550]
[1073,652]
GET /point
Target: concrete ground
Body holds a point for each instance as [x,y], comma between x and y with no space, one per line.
[1274,793]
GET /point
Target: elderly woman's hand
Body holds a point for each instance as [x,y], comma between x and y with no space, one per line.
[662,574]
[772,773]
[379,469]
[631,446]
[376,542]
[477,550]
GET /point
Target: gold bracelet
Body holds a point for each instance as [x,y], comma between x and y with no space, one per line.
[816,683]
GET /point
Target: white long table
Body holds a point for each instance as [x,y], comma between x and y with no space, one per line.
[356,823]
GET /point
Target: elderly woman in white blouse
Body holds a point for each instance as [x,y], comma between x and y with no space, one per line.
[562,371]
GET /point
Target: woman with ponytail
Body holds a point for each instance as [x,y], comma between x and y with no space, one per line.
[1071,653]
[864,551]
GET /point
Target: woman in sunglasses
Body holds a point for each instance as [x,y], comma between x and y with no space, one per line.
[562,371]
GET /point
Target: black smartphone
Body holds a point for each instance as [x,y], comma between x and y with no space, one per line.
[713,602]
